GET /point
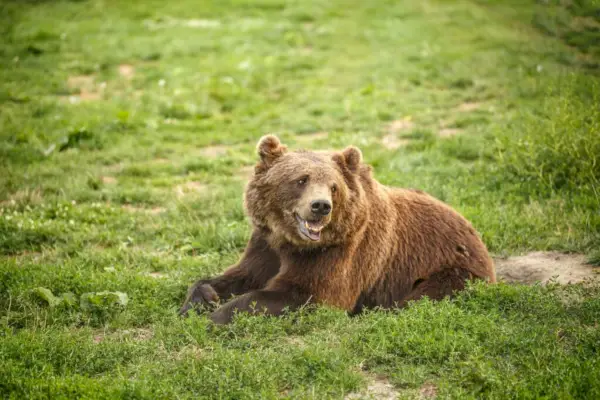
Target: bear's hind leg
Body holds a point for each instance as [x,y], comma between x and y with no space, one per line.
[438,285]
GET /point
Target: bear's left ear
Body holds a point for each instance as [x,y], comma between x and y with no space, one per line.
[269,149]
[352,157]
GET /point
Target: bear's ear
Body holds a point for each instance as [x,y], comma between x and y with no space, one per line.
[269,149]
[352,157]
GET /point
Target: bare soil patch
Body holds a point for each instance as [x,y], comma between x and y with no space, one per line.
[213,151]
[544,267]
[24,256]
[108,180]
[392,142]
[88,91]
[447,132]
[246,172]
[296,341]
[428,391]
[115,168]
[138,335]
[127,71]
[378,388]
[151,211]
[400,125]
[469,106]
[26,196]
[81,82]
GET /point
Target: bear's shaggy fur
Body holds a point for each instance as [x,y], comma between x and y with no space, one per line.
[326,232]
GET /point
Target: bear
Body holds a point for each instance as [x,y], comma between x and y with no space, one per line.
[324,231]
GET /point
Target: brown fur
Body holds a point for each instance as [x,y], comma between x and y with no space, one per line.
[379,246]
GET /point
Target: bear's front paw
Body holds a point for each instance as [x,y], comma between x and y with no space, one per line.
[199,295]
[221,316]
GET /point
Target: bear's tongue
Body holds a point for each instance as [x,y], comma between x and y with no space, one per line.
[313,235]
[310,229]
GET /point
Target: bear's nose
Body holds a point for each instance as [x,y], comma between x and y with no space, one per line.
[321,207]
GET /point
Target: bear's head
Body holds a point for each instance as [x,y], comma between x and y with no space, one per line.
[306,198]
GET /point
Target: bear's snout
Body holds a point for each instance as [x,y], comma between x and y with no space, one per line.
[320,207]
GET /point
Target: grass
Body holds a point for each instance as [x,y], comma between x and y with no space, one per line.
[127,132]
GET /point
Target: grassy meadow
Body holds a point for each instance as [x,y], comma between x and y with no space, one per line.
[127,133]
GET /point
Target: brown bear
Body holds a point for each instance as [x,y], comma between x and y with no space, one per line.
[326,232]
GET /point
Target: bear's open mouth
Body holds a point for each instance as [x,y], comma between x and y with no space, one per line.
[310,229]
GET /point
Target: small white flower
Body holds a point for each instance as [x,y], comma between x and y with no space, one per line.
[162,83]
[245,65]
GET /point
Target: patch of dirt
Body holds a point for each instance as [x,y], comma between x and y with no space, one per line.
[296,341]
[447,132]
[127,71]
[585,22]
[152,211]
[26,255]
[468,106]
[157,275]
[378,388]
[137,334]
[80,81]
[190,187]
[115,168]
[543,267]
[428,391]
[23,196]
[213,151]
[108,180]
[246,172]
[86,86]
[391,142]
[399,125]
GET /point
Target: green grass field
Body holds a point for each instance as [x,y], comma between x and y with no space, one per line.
[128,131]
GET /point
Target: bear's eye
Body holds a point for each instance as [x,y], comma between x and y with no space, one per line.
[301,181]
[333,189]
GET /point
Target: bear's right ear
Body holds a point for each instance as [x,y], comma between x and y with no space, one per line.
[352,157]
[269,149]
